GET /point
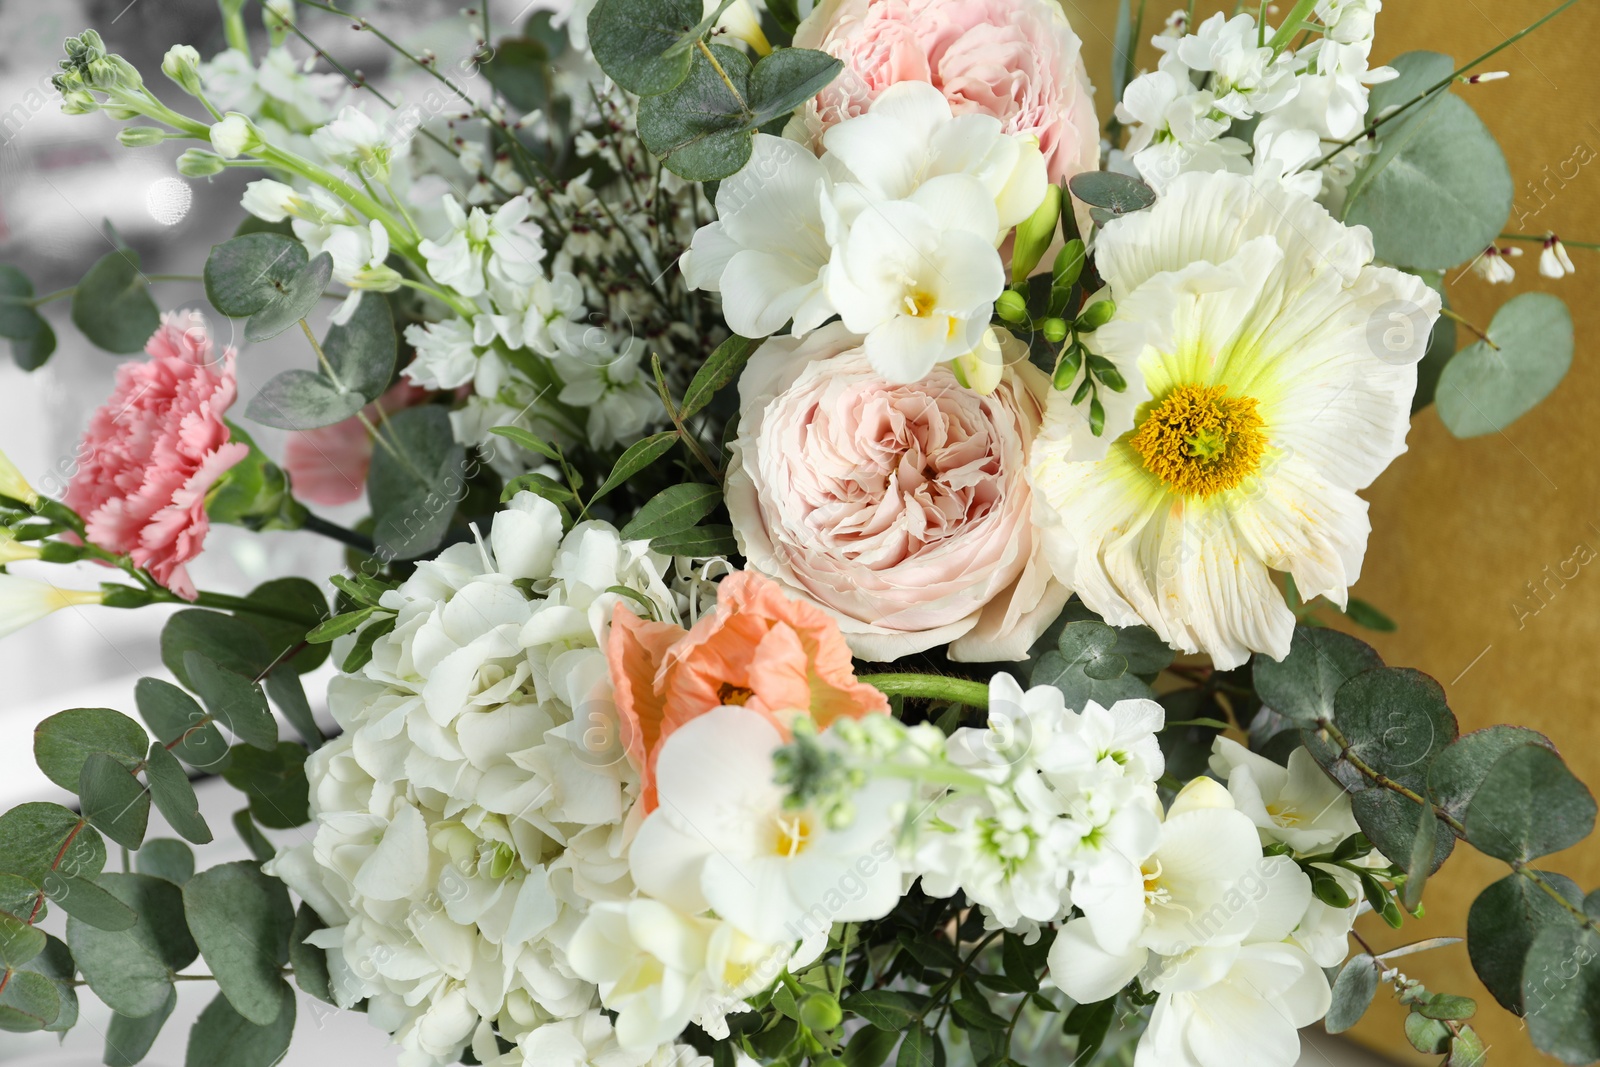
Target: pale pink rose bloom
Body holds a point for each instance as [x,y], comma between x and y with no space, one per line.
[329,465]
[155,449]
[1017,60]
[904,511]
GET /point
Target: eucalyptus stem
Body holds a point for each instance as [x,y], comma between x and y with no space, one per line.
[227,602]
[359,541]
[711,57]
[931,687]
[1590,245]
[1456,318]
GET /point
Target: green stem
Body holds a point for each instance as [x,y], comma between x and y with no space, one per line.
[1454,317]
[1291,25]
[931,687]
[711,57]
[61,294]
[360,542]
[1441,84]
[226,602]
[1590,245]
[400,236]
[459,306]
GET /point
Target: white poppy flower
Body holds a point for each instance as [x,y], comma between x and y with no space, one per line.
[1280,385]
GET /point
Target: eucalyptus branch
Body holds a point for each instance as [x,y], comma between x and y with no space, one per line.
[1456,318]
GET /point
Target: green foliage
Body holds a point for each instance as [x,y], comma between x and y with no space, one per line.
[168,858]
[1302,686]
[227,642]
[309,963]
[1109,194]
[176,720]
[721,367]
[1490,384]
[283,686]
[646,46]
[56,965]
[417,478]
[673,510]
[1502,924]
[1091,661]
[112,305]
[266,278]
[241,919]
[225,1037]
[113,800]
[63,742]
[634,459]
[131,970]
[29,1002]
[128,1039]
[360,362]
[233,700]
[275,781]
[702,128]
[1528,806]
[32,339]
[174,795]
[1560,989]
[1437,190]
[294,596]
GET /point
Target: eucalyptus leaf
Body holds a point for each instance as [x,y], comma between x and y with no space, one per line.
[166,857]
[245,274]
[131,970]
[309,963]
[32,339]
[294,596]
[38,840]
[174,795]
[230,643]
[114,801]
[176,720]
[1560,988]
[1302,685]
[700,129]
[295,298]
[787,78]
[1487,387]
[1459,770]
[241,919]
[1085,666]
[29,1002]
[1119,194]
[284,687]
[417,477]
[64,741]
[1437,191]
[20,941]
[55,963]
[302,400]
[112,305]
[223,1037]
[128,1040]
[1353,991]
[645,46]
[1528,805]
[233,700]
[275,781]
[89,902]
[1502,924]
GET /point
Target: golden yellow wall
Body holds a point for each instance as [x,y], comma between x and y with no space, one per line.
[1461,527]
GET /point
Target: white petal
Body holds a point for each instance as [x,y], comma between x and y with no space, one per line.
[1086,972]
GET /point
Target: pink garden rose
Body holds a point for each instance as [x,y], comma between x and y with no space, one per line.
[1017,60]
[329,465]
[155,449]
[904,511]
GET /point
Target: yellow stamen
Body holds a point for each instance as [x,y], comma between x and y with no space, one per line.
[792,836]
[1200,441]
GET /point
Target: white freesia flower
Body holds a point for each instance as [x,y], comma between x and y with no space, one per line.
[1261,331]
[25,600]
[723,839]
[768,249]
[1298,805]
[14,484]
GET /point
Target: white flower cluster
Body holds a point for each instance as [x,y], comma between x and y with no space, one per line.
[1052,815]
[473,810]
[895,229]
[1186,114]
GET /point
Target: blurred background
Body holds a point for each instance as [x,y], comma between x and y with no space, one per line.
[1469,536]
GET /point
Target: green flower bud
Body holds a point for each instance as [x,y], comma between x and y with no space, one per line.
[1067,370]
[1034,235]
[141,136]
[1068,265]
[198,163]
[182,65]
[819,1011]
[1054,330]
[1011,306]
[1096,315]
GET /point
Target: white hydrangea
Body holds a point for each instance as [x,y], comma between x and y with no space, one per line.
[474,808]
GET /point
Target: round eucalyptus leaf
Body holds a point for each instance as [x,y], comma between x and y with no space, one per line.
[222,1037]
[64,741]
[1302,685]
[1353,991]
[1116,193]
[113,800]
[1460,769]
[39,839]
[294,299]
[416,483]
[302,400]
[645,46]
[246,273]
[700,130]
[166,857]
[131,970]
[241,919]
[1486,388]
[1502,923]
[29,1002]
[112,305]
[1438,189]
[1528,805]
[1560,989]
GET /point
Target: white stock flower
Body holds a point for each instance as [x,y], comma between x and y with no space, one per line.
[1298,805]
[232,135]
[446,356]
[604,376]
[723,839]
[1280,385]
[1246,77]
[359,254]
[478,248]
[366,146]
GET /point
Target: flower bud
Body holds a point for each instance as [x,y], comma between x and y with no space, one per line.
[819,1011]
[23,600]
[1068,265]
[12,550]
[1067,370]
[270,201]
[1054,330]
[182,65]
[1096,315]
[233,136]
[141,136]
[198,163]
[277,16]
[739,20]
[1011,306]
[14,485]
[1034,235]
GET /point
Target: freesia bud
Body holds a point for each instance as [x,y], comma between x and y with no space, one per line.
[12,550]
[182,65]
[140,136]
[1034,235]
[1011,306]
[14,485]
[198,163]
[233,136]
[1201,793]
[24,600]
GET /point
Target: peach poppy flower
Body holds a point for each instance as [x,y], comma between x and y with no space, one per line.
[778,657]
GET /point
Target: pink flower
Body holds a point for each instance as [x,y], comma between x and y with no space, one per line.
[778,657]
[155,449]
[329,465]
[904,511]
[1017,60]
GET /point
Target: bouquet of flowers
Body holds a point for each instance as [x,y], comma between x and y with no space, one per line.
[850,542]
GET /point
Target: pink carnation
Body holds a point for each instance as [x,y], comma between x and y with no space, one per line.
[329,465]
[904,511]
[1017,60]
[155,449]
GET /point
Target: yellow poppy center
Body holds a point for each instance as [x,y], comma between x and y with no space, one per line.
[1200,441]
